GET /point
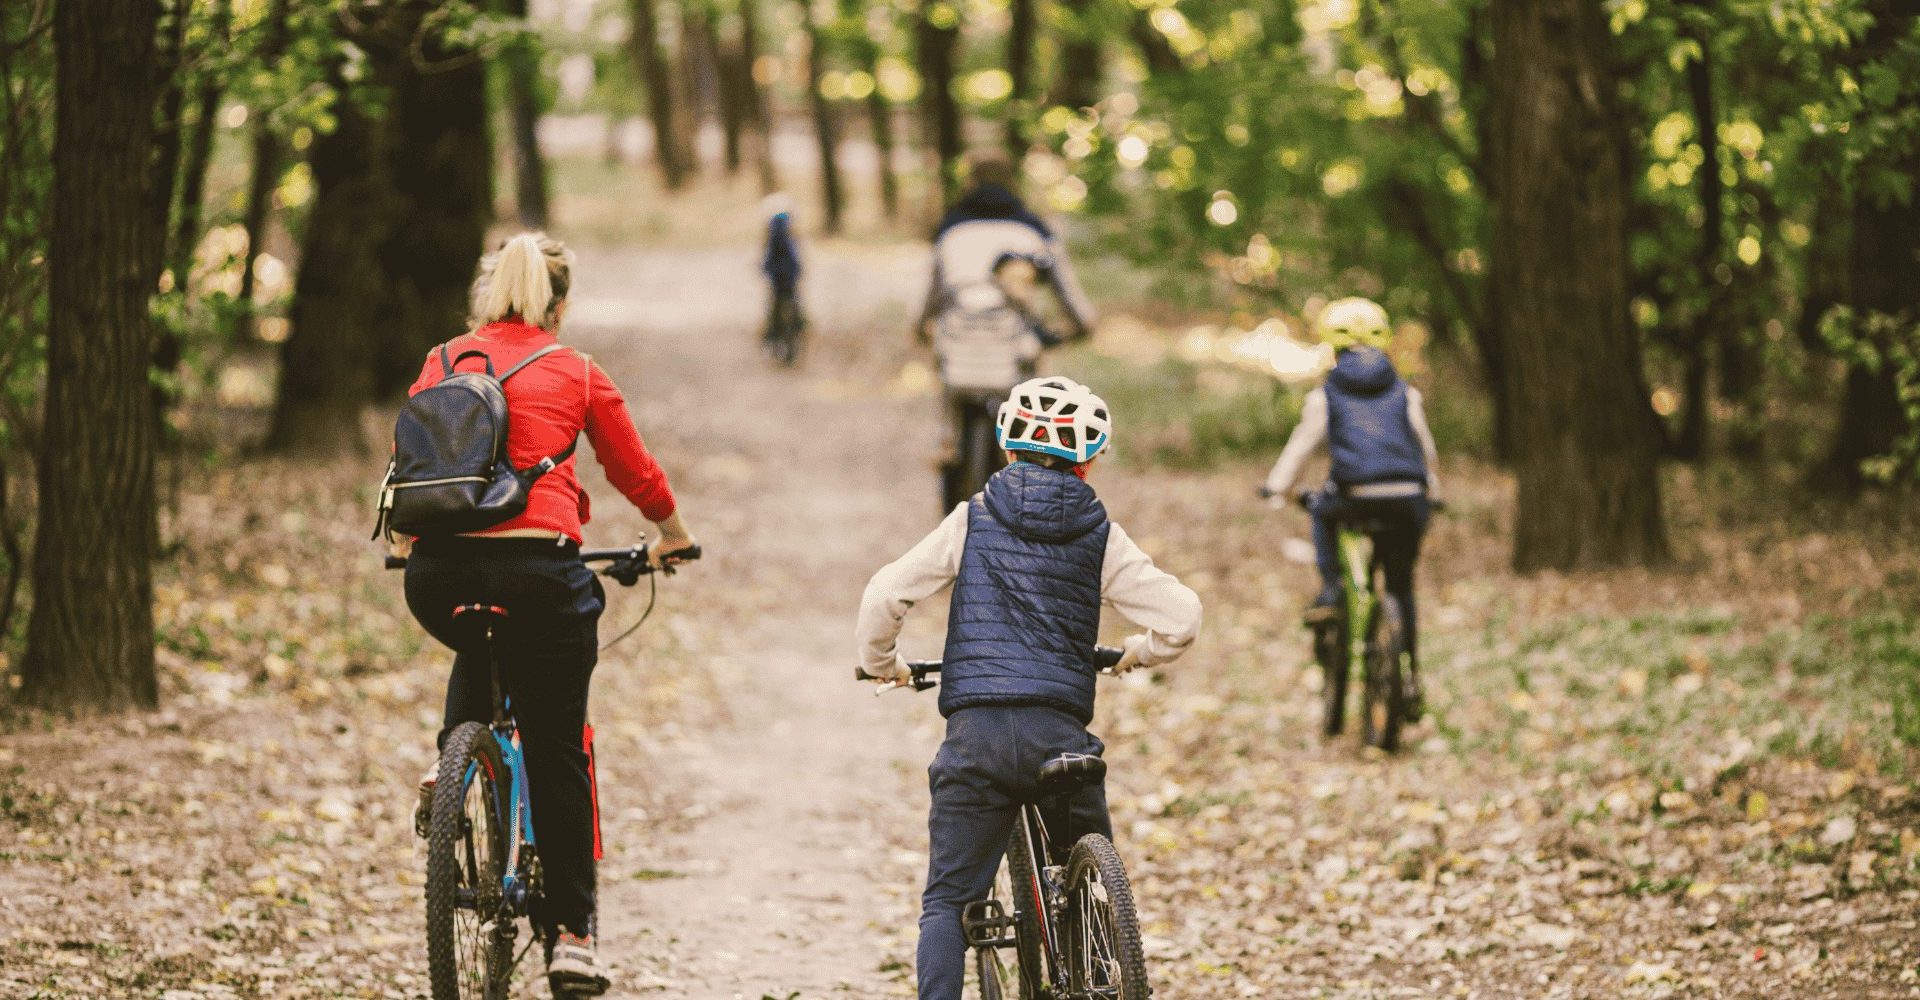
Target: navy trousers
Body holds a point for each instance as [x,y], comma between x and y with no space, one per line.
[546,650]
[985,769]
[1398,547]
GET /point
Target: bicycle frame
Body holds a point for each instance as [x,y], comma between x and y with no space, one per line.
[1357,572]
[518,817]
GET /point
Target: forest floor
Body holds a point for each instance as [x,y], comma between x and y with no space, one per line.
[1685,782]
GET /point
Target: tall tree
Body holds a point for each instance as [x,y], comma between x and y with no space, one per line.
[879,110]
[826,125]
[523,104]
[758,100]
[1585,441]
[442,169]
[1022,31]
[657,74]
[339,298]
[936,38]
[264,175]
[90,643]
[1076,84]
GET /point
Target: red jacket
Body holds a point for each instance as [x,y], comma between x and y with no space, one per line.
[548,403]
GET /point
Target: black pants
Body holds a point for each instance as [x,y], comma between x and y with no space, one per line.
[546,651]
[984,770]
[1398,547]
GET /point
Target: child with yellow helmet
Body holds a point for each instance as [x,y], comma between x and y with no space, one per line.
[1383,457]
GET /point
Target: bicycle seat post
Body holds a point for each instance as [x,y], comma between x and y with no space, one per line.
[489,617]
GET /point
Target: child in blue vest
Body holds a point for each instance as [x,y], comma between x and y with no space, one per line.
[1383,459]
[1031,559]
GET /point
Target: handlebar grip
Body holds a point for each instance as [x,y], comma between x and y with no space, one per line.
[860,674]
[396,562]
[1107,657]
[688,554]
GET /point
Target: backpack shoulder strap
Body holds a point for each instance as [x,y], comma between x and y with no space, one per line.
[530,359]
[446,361]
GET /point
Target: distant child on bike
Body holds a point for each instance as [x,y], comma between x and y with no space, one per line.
[1384,462]
[781,265]
[530,566]
[1031,559]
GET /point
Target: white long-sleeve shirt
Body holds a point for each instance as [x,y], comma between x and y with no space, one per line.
[1311,432]
[1130,583]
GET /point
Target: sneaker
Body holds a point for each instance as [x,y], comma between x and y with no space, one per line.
[1325,608]
[573,969]
[423,806]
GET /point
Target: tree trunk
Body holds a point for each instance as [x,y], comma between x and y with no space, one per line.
[733,84]
[759,110]
[1884,255]
[880,126]
[657,74]
[936,35]
[1020,37]
[826,125]
[193,170]
[165,157]
[1586,445]
[1690,441]
[523,99]
[700,71]
[340,296]
[441,162]
[265,175]
[1077,83]
[90,642]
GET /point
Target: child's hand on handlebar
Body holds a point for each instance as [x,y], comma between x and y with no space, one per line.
[1130,659]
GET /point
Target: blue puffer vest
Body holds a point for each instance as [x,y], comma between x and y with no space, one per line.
[1369,432]
[1026,602]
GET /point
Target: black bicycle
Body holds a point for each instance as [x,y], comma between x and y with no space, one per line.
[483,870]
[1060,923]
[978,454]
[786,328]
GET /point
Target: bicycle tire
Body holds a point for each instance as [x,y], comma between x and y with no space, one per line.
[1101,937]
[1332,649]
[1385,710]
[986,972]
[1028,952]
[467,851]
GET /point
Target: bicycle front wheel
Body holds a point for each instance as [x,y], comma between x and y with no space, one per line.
[1386,704]
[469,952]
[1330,647]
[1100,941]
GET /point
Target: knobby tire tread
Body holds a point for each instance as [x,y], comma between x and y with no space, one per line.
[471,741]
[1096,852]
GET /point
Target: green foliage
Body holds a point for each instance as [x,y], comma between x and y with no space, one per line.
[1877,342]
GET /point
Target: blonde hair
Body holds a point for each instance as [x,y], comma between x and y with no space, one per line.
[527,277]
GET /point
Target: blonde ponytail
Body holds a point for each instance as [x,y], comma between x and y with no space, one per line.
[528,277]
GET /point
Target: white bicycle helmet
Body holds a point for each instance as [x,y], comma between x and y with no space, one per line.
[1055,416]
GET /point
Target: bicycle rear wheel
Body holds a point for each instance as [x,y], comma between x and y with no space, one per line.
[1331,647]
[1100,939]
[1386,706]
[1026,903]
[469,952]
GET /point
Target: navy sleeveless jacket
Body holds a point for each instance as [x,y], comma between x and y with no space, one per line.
[1026,602]
[1369,433]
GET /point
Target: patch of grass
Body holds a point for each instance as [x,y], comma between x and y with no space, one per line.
[657,875]
[1663,691]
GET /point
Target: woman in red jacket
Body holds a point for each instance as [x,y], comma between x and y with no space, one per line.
[531,566]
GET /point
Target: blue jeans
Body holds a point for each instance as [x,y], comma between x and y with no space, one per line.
[1398,547]
[981,775]
[546,650]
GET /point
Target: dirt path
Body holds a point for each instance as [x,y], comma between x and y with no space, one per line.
[776,884]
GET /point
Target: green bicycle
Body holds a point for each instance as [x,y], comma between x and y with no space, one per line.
[1389,695]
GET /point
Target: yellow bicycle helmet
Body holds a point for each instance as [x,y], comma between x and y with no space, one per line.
[1353,322]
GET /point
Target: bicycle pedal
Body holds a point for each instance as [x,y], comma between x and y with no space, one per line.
[566,987]
[986,924]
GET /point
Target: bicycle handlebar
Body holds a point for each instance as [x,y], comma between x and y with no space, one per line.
[629,563]
[1104,657]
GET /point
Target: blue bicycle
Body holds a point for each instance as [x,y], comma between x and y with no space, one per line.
[483,870]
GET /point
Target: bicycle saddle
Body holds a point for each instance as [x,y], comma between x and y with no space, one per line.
[1070,772]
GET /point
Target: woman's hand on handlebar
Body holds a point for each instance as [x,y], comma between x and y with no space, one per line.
[674,539]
